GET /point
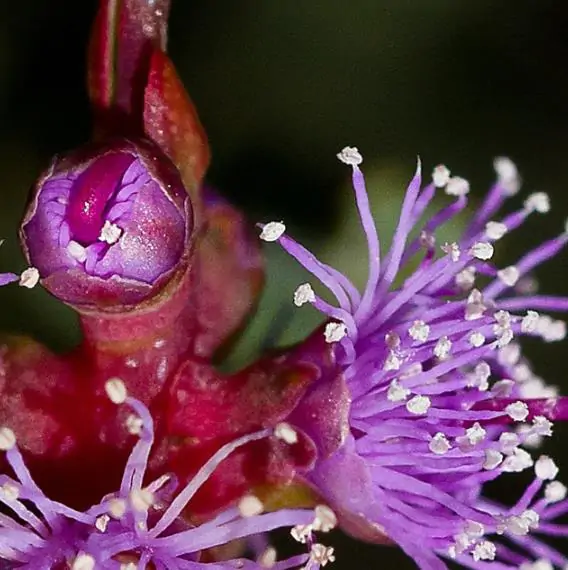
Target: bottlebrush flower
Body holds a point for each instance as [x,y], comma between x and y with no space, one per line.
[441,397]
[141,525]
[108,224]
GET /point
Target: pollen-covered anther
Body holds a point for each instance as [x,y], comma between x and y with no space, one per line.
[545,468]
[509,442]
[474,529]
[479,377]
[493,459]
[555,492]
[116,508]
[7,439]
[116,391]
[476,339]
[83,561]
[484,550]
[29,278]
[101,523]
[538,202]
[272,231]
[518,461]
[475,306]
[439,444]
[465,279]
[141,499]
[304,294]
[457,186]
[129,566]
[396,392]
[517,411]
[301,532]
[334,332]
[521,525]
[77,251]
[507,175]
[134,424]
[10,491]
[542,426]
[509,276]
[110,233]
[268,557]
[529,322]
[419,331]
[442,348]
[419,405]
[321,554]
[392,362]
[482,250]
[440,176]
[350,155]
[250,506]
[325,519]
[495,230]
[286,433]
[453,250]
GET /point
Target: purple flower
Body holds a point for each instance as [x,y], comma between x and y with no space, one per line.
[108,225]
[441,399]
[142,524]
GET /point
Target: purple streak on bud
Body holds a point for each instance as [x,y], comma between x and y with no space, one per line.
[108,225]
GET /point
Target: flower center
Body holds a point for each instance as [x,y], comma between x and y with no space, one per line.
[91,194]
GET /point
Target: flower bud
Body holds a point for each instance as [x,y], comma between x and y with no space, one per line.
[108,225]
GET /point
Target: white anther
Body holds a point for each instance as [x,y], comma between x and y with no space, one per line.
[411,370]
[517,411]
[492,459]
[538,202]
[350,155]
[439,444]
[440,176]
[521,525]
[518,461]
[250,506]
[465,279]
[484,550]
[540,564]
[334,332]
[7,439]
[286,433]
[457,186]
[134,424]
[502,388]
[304,294]
[509,355]
[77,251]
[474,529]
[476,339]
[495,230]
[530,322]
[475,434]
[542,426]
[507,175]
[482,250]
[301,532]
[29,278]
[443,348]
[101,523]
[396,392]
[392,362]
[110,233]
[268,558]
[117,508]
[509,442]
[475,306]
[452,249]
[479,377]
[116,390]
[10,491]
[419,405]
[141,499]
[321,554]
[555,492]
[545,468]
[325,519]
[83,561]
[509,276]
[272,231]
[419,331]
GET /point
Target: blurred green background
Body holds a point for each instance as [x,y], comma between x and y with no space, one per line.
[281,87]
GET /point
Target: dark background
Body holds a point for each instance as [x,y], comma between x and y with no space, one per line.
[281,87]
